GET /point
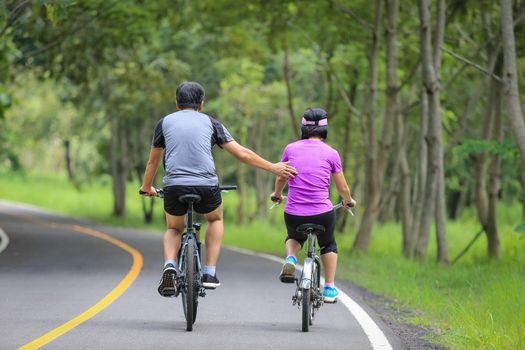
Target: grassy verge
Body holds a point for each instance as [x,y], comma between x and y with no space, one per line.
[475,304]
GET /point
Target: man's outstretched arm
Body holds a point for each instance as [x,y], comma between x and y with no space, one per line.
[247,156]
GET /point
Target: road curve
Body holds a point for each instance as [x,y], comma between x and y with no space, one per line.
[51,273]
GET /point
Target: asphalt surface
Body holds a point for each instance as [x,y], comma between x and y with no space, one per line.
[50,273]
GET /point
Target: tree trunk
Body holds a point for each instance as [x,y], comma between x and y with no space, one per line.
[342,219]
[69,166]
[522,197]
[482,202]
[287,80]
[431,85]
[393,89]
[510,77]
[441,211]
[119,168]
[421,179]
[372,182]
[493,241]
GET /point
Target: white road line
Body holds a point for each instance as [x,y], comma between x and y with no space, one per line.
[4,240]
[376,337]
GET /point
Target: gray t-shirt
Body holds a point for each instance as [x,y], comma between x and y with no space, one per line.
[188,137]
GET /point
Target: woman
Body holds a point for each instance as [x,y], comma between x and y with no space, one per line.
[308,198]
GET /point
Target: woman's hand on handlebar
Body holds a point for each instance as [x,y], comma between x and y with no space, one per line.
[276,198]
[150,192]
[349,205]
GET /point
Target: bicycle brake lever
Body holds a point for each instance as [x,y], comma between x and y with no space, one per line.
[273,206]
[275,203]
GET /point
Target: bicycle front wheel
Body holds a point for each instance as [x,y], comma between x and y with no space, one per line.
[190,289]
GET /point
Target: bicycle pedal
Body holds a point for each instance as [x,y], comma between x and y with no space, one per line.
[287,279]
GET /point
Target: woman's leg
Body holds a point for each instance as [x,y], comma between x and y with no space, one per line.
[292,247]
[330,266]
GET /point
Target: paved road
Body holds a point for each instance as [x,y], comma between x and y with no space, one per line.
[52,271]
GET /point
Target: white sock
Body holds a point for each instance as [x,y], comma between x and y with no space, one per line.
[174,262]
[209,270]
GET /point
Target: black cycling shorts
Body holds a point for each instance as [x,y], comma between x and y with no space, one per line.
[210,199]
[326,240]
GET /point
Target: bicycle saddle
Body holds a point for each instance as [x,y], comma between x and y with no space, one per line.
[194,198]
[304,228]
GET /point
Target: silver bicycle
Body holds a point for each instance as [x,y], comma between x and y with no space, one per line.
[308,295]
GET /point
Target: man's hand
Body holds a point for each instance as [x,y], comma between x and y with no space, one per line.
[150,192]
[284,169]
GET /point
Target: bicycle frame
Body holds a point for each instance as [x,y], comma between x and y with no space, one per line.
[308,265]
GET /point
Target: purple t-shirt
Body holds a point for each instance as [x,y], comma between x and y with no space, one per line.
[308,191]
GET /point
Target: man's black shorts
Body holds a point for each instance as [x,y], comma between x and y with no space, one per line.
[211,199]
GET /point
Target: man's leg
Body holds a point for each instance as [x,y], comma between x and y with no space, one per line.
[214,236]
[173,235]
[172,242]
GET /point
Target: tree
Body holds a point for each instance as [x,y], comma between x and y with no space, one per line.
[375,161]
[510,76]
[434,187]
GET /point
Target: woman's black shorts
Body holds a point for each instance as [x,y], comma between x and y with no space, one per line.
[326,240]
[210,199]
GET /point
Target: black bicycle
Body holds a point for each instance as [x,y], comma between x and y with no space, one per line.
[189,282]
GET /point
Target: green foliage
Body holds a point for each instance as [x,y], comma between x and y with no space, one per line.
[520,228]
[506,150]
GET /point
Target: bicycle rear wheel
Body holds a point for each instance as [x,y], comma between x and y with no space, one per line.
[306,308]
[190,288]
[316,290]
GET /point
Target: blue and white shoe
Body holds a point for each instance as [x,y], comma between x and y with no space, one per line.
[287,273]
[330,295]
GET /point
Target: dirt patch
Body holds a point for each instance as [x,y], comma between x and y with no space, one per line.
[413,337]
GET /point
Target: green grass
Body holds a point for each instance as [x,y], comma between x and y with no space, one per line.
[476,304]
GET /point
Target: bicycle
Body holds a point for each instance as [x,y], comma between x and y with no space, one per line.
[308,295]
[189,282]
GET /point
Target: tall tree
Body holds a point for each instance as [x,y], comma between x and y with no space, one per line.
[433,205]
[373,168]
[510,76]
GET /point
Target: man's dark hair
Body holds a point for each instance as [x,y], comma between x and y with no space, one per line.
[189,95]
[313,116]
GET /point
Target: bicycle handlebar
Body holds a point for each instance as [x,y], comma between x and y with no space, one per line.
[160,191]
[337,206]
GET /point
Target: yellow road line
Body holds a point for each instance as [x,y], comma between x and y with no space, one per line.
[124,284]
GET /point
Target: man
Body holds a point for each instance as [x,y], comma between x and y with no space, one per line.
[186,139]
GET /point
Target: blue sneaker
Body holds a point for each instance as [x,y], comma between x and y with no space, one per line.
[287,273]
[330,295]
